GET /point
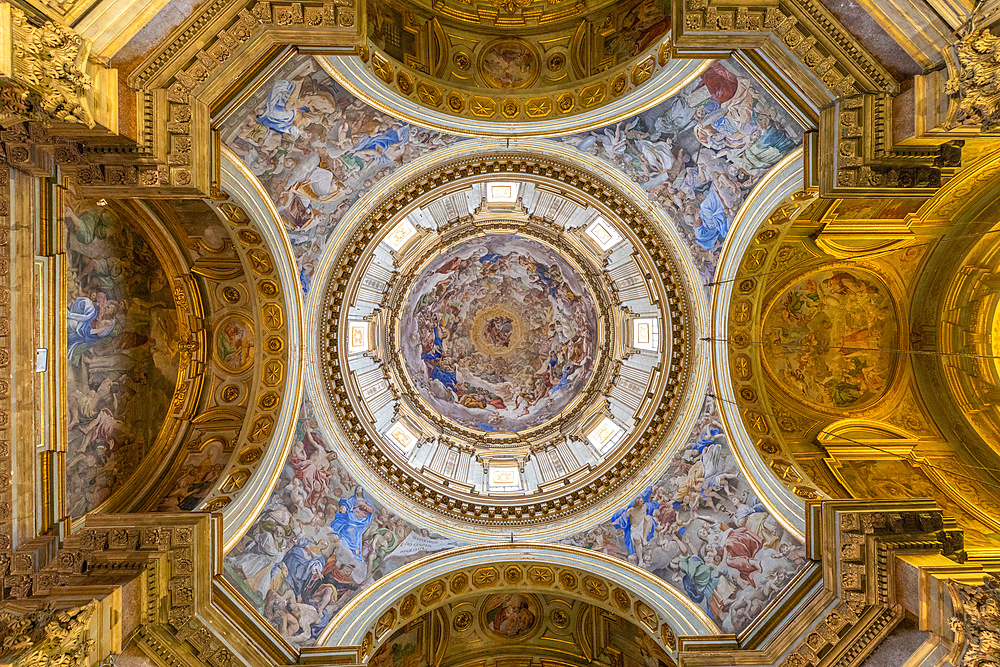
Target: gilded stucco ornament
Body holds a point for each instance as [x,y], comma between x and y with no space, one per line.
[43,73]
[974,83]
[976,623]
[522,60]
[46,637]
[402,425]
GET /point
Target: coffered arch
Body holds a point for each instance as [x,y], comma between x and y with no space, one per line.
[575,573]
[836,448]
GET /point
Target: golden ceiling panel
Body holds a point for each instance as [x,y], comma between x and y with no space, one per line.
[515,64]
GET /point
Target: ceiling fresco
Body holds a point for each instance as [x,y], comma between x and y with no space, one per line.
[829,339]
[499,333]
[324,536]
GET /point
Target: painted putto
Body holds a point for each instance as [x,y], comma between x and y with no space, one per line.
[499,333]
[829,339]
[514,355]
[701,152]
[319,540]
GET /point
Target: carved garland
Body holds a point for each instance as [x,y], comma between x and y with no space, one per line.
[469,508]
[47,80]
[976,623]
[14,572]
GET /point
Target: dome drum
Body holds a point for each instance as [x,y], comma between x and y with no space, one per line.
[497,343]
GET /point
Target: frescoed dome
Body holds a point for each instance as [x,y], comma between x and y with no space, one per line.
[502,346]
[499,333]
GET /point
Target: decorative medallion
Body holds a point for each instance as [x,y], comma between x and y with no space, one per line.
[234,343]
[829,339]
[509,63]
[512,617]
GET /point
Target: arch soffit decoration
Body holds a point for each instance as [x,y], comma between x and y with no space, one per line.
[661,611]
[193,73]
[275,310]
[353,74]
[782,183]
[264,445]
[696,367]
[953,207]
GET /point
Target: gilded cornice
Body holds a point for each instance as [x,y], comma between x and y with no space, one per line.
[832,81]
[185,619]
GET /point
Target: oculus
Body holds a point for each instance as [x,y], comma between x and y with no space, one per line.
[499,333]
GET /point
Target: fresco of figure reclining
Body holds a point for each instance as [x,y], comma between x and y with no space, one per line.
[123,361]
[829,338]
[499,333]
[701,152]
[317,150]
[319,540]
[702,528]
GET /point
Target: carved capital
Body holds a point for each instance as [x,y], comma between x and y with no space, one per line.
[976,623]
[46,636]
[43,71]
[973,84]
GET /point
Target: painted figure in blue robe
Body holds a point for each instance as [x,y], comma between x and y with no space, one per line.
[79,323]
[432,358]
[714,224]
[276,115]
[642,507]
[353,517]
[303,564]
[380,143]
